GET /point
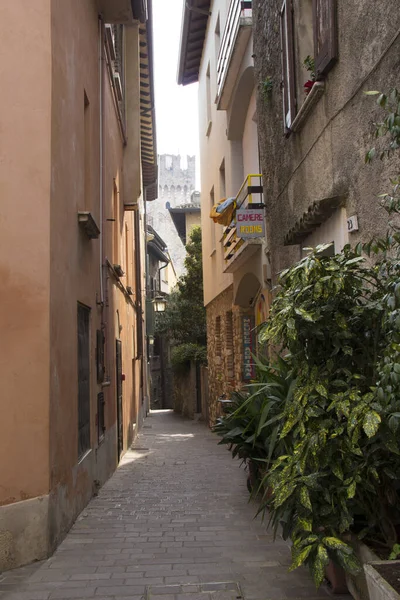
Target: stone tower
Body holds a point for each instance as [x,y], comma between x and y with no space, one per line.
[176,186]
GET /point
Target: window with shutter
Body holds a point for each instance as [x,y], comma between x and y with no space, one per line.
[325,36]
[288,73]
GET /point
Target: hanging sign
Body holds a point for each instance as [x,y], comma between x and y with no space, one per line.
[250,223]
[249,346]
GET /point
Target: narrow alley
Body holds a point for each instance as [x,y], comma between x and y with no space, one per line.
[173,523]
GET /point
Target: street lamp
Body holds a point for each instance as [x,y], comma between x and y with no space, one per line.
[159,304]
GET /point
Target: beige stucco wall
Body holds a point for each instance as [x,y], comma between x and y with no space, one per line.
[235,145]
[25,146]
[192,220]
[75,272]
[251,163]
[232,140]
[25,64]
[213,150]
[333,230]
[50,170]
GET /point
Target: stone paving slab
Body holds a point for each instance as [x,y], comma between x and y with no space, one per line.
[173,523]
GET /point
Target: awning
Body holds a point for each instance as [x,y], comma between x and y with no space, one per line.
[317,213]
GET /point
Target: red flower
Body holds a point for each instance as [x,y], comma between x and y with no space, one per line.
[308,85]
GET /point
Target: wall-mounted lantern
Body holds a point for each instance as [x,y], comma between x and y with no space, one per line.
[159,303]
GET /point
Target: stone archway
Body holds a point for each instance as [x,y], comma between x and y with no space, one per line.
[247,291]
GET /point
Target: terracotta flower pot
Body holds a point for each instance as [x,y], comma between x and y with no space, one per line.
[337,578]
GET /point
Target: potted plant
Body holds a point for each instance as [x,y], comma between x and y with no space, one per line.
[309,65]
[383,577]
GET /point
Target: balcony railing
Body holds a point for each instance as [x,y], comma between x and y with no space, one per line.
[233,44]
[237,250]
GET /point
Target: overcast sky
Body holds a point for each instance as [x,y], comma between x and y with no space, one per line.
[176,106]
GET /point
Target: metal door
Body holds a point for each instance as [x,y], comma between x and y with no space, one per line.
[120,428]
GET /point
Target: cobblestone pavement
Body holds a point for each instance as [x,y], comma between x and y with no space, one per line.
[173,523]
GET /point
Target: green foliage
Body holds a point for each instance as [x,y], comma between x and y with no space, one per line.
[252,422]
[395,553]
[309,65]
[184,321]
[184,354]
[339,320]
[266,88]
[324,421]
[389,127]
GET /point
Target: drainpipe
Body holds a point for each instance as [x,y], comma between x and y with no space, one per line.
[159,273]
[101,182]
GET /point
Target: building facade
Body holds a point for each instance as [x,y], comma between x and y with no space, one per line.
[77,162]
[315,120]
[161,278]
[217,51]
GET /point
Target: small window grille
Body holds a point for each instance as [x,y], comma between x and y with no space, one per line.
[83,380]
[101,427]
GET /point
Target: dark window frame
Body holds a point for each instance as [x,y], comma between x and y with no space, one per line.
[83,378]
[325,35]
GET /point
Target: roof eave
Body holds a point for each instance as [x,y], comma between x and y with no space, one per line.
[147,113]
[190,19]
[183,43]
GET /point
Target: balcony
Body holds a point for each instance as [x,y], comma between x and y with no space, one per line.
[122,12]
[235,38]
[237,250]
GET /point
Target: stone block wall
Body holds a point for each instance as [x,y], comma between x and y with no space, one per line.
[185,392]
[224,349]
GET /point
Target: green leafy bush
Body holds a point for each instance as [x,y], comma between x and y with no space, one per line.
[184,354]
[184,320]
[253,419]
[328,440]
[339,320]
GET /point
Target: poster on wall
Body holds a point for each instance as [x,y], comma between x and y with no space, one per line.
[250,223]
[262,307]
[249,347]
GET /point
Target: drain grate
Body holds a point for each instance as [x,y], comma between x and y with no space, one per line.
[217,590]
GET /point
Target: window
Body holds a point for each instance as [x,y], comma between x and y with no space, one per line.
[287,49]
[100,361]
[217,36]
[304,46]
[229,344]
[101,428]
[222,180]
[83,380]
[116,232]
[86,151]
[127,256]
[208,92]
[114,42]
[212,225]
[308,28]
[325,35]
[119,66]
